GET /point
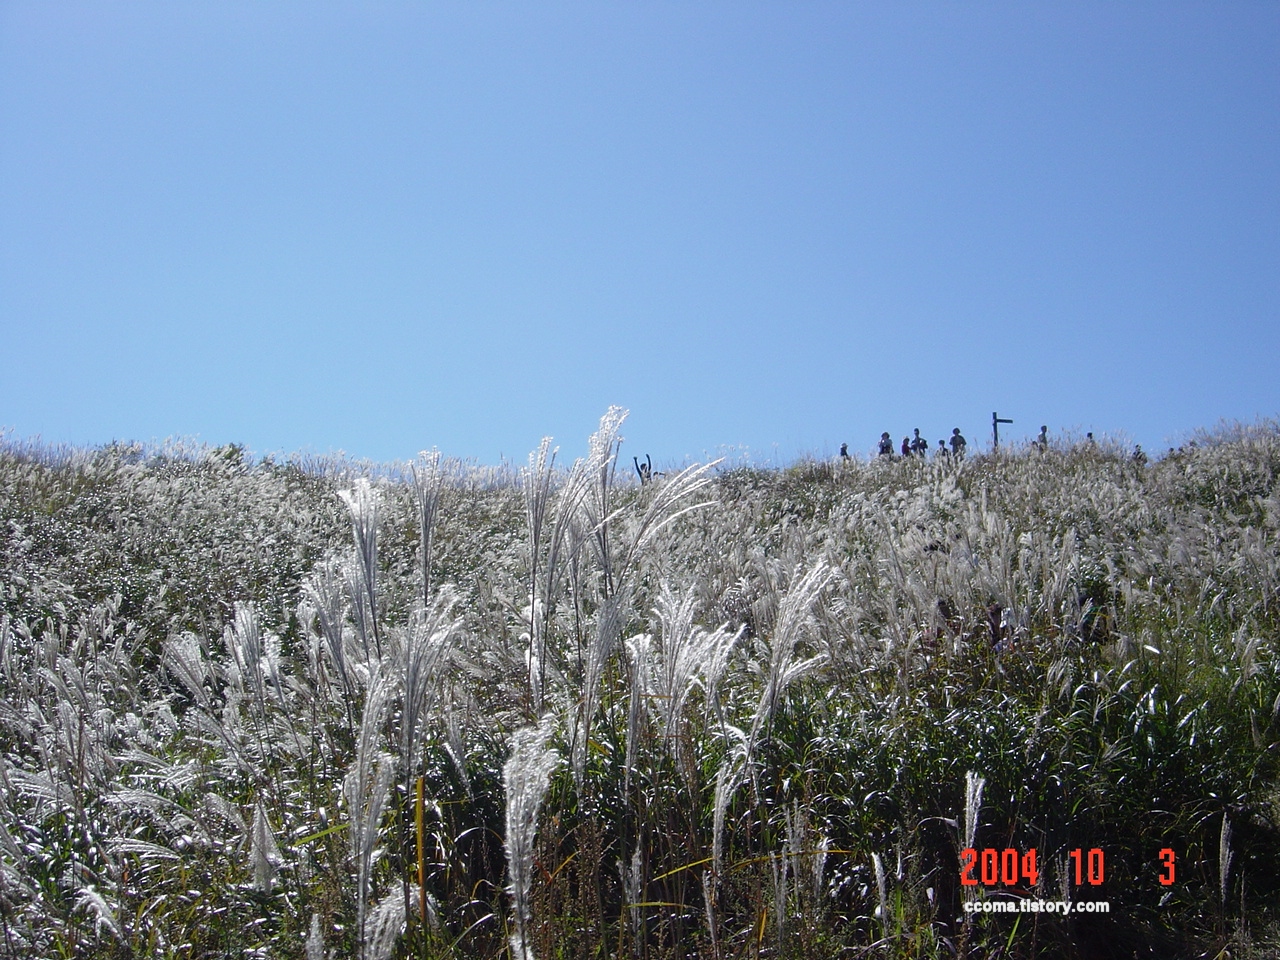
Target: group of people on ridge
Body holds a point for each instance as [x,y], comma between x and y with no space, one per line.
[918,446]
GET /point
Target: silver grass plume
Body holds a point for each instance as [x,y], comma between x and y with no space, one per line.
[184,659]
[256,670]
[245,644]
[362,503]
[89,900]
[687,656]
[7,843]
[386,925]
[537,482]
[366,788]
[263,853]
[315,940]
[526,776]
[219,806]
[778,871]
[1225,856]
[632,878]
[601,463]
[728,776]
[786,865]
[424,651]
[6,650]
[323,591]
[668,504]
[794,617]
[640,650]
[709,902]
[882,894]
[608,630]
[453,742]
[797,829]
[362,614]
[820,868]
[427,483]
[973,785]
[548,543]
[665,504]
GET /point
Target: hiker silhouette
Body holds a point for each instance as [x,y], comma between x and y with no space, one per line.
[919,445]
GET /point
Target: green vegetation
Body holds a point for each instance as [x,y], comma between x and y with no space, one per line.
[731,713]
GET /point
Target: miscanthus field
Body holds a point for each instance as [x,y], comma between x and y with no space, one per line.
[317,709]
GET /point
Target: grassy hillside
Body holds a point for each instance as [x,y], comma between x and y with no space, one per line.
[314,709]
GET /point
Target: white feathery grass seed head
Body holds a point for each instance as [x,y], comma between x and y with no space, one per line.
[526,776]
[973,785]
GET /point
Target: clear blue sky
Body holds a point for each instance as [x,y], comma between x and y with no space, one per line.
[379,227]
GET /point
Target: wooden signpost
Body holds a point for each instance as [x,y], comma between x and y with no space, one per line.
[996,420]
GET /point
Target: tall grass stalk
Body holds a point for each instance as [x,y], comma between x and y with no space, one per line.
[1225,856]
[608,631]
[882,892]
[549,539]
[428,482]
[325,602]
[264,852]
[362,502]
[689,656]
[794,619]
[526,776]
[973,786]
[366,789]
[423,654]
